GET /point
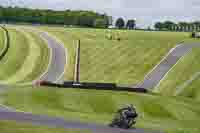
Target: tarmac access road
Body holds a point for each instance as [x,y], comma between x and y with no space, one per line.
[153,78]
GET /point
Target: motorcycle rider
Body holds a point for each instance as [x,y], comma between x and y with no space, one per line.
[125,117]
[128,113]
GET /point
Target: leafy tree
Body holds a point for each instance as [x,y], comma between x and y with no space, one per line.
[131,24]
[120,23]
[158,26]
[149,28]
[1,14]
[100,23]
[168,25]
[86,21]
[183,23]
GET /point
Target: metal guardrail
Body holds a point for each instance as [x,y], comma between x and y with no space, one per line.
[94,86]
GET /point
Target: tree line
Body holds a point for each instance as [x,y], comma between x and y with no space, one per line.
[67,17]
[83,19]
[180,26]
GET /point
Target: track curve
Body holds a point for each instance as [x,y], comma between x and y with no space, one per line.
[61,123]
[153,78]
[53,74]
[58,59]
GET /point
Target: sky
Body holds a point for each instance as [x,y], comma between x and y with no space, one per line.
[146,12]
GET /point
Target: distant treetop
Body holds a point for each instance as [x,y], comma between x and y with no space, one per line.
[67,17]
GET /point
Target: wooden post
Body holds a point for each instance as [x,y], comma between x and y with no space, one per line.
[77,65]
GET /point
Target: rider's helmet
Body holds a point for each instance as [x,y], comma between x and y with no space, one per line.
[131,107]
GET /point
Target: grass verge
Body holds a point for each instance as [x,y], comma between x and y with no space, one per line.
[14,58]
[42,57]
[27,59]
[155,112]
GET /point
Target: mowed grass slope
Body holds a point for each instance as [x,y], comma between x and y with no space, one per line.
[15,56]
[103,60]
[15,127]
[124,62]
[192,90]
[26,60]
[155,112]
[39,57]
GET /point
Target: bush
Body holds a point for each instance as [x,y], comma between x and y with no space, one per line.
[100,23]
[193,35]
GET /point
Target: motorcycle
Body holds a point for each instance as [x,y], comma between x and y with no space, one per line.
[122,122]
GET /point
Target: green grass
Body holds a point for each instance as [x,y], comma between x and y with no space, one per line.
[124,62]
[26,60]
[14,127]
[155,112]
[2,40]
[39,57]
[192,90]
[183,71]
[14,58]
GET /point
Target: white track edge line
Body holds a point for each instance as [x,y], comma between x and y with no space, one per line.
[65,49]
[155,89]
[169,52]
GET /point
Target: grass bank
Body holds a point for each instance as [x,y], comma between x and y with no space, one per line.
[155,112]
[27,58]
[14,58]
[123,62]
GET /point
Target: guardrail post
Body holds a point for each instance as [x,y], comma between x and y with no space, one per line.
[77,65]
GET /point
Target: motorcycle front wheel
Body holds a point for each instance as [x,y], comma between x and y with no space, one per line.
[131,123]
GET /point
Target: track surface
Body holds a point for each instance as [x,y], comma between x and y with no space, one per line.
[55,72]
[58,59]
[152,79]
[58,122]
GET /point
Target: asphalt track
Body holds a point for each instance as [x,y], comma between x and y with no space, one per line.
[58,59]
[54,72]
[61,123]
[153,78]
[56,68]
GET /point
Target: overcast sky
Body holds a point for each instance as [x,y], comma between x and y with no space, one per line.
[145,11]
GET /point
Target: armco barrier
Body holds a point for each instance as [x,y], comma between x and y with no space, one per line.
[95,86]
[7,43]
